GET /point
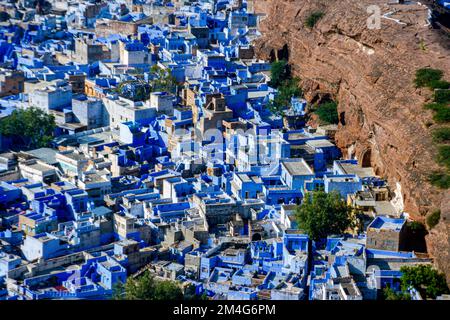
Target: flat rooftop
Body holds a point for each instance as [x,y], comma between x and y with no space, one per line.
[303,135]
[321,143]
[45,154]
[385,208]
[297,168]
[361,172]
[246,178]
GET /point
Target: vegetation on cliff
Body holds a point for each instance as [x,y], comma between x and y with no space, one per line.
[442,112]
[440,179]
[433,218]
[327,112]
[444,155]
[313,18]
[432,79]
[441,135]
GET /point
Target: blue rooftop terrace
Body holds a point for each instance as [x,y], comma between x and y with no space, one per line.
[385,223]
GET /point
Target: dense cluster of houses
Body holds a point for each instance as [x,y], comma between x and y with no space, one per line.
[198,183]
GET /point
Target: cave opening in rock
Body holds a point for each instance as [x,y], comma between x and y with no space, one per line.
[321,98]
[273,56]
[283,53]
[366,158]
[342,118]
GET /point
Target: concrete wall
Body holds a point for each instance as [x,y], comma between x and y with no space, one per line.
[89,112]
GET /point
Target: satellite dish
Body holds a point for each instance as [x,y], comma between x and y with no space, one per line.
[372,268]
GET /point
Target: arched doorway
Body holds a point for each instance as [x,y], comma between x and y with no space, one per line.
[366,158]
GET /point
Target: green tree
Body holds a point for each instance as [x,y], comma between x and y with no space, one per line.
[327,112]
[134,90]
[167,290]
[290,88]
[390,294]
[118,291]
[428,281]
[29,128]
[147,287]
[278,73]
[190,294]
[162,80]
[322,214]
[416,226]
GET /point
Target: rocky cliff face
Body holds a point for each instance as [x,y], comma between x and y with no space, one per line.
[370,73]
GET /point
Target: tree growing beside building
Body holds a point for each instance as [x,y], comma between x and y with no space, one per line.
[146,287]
[279,73]
[428,281]
[29,128]
[322,214]
[287,87]
[162,80]
[134,90]
[391,294]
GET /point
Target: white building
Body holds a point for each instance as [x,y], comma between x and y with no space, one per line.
[162,102]
[134,54]
[38,171]
[54,97]
[120,110]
